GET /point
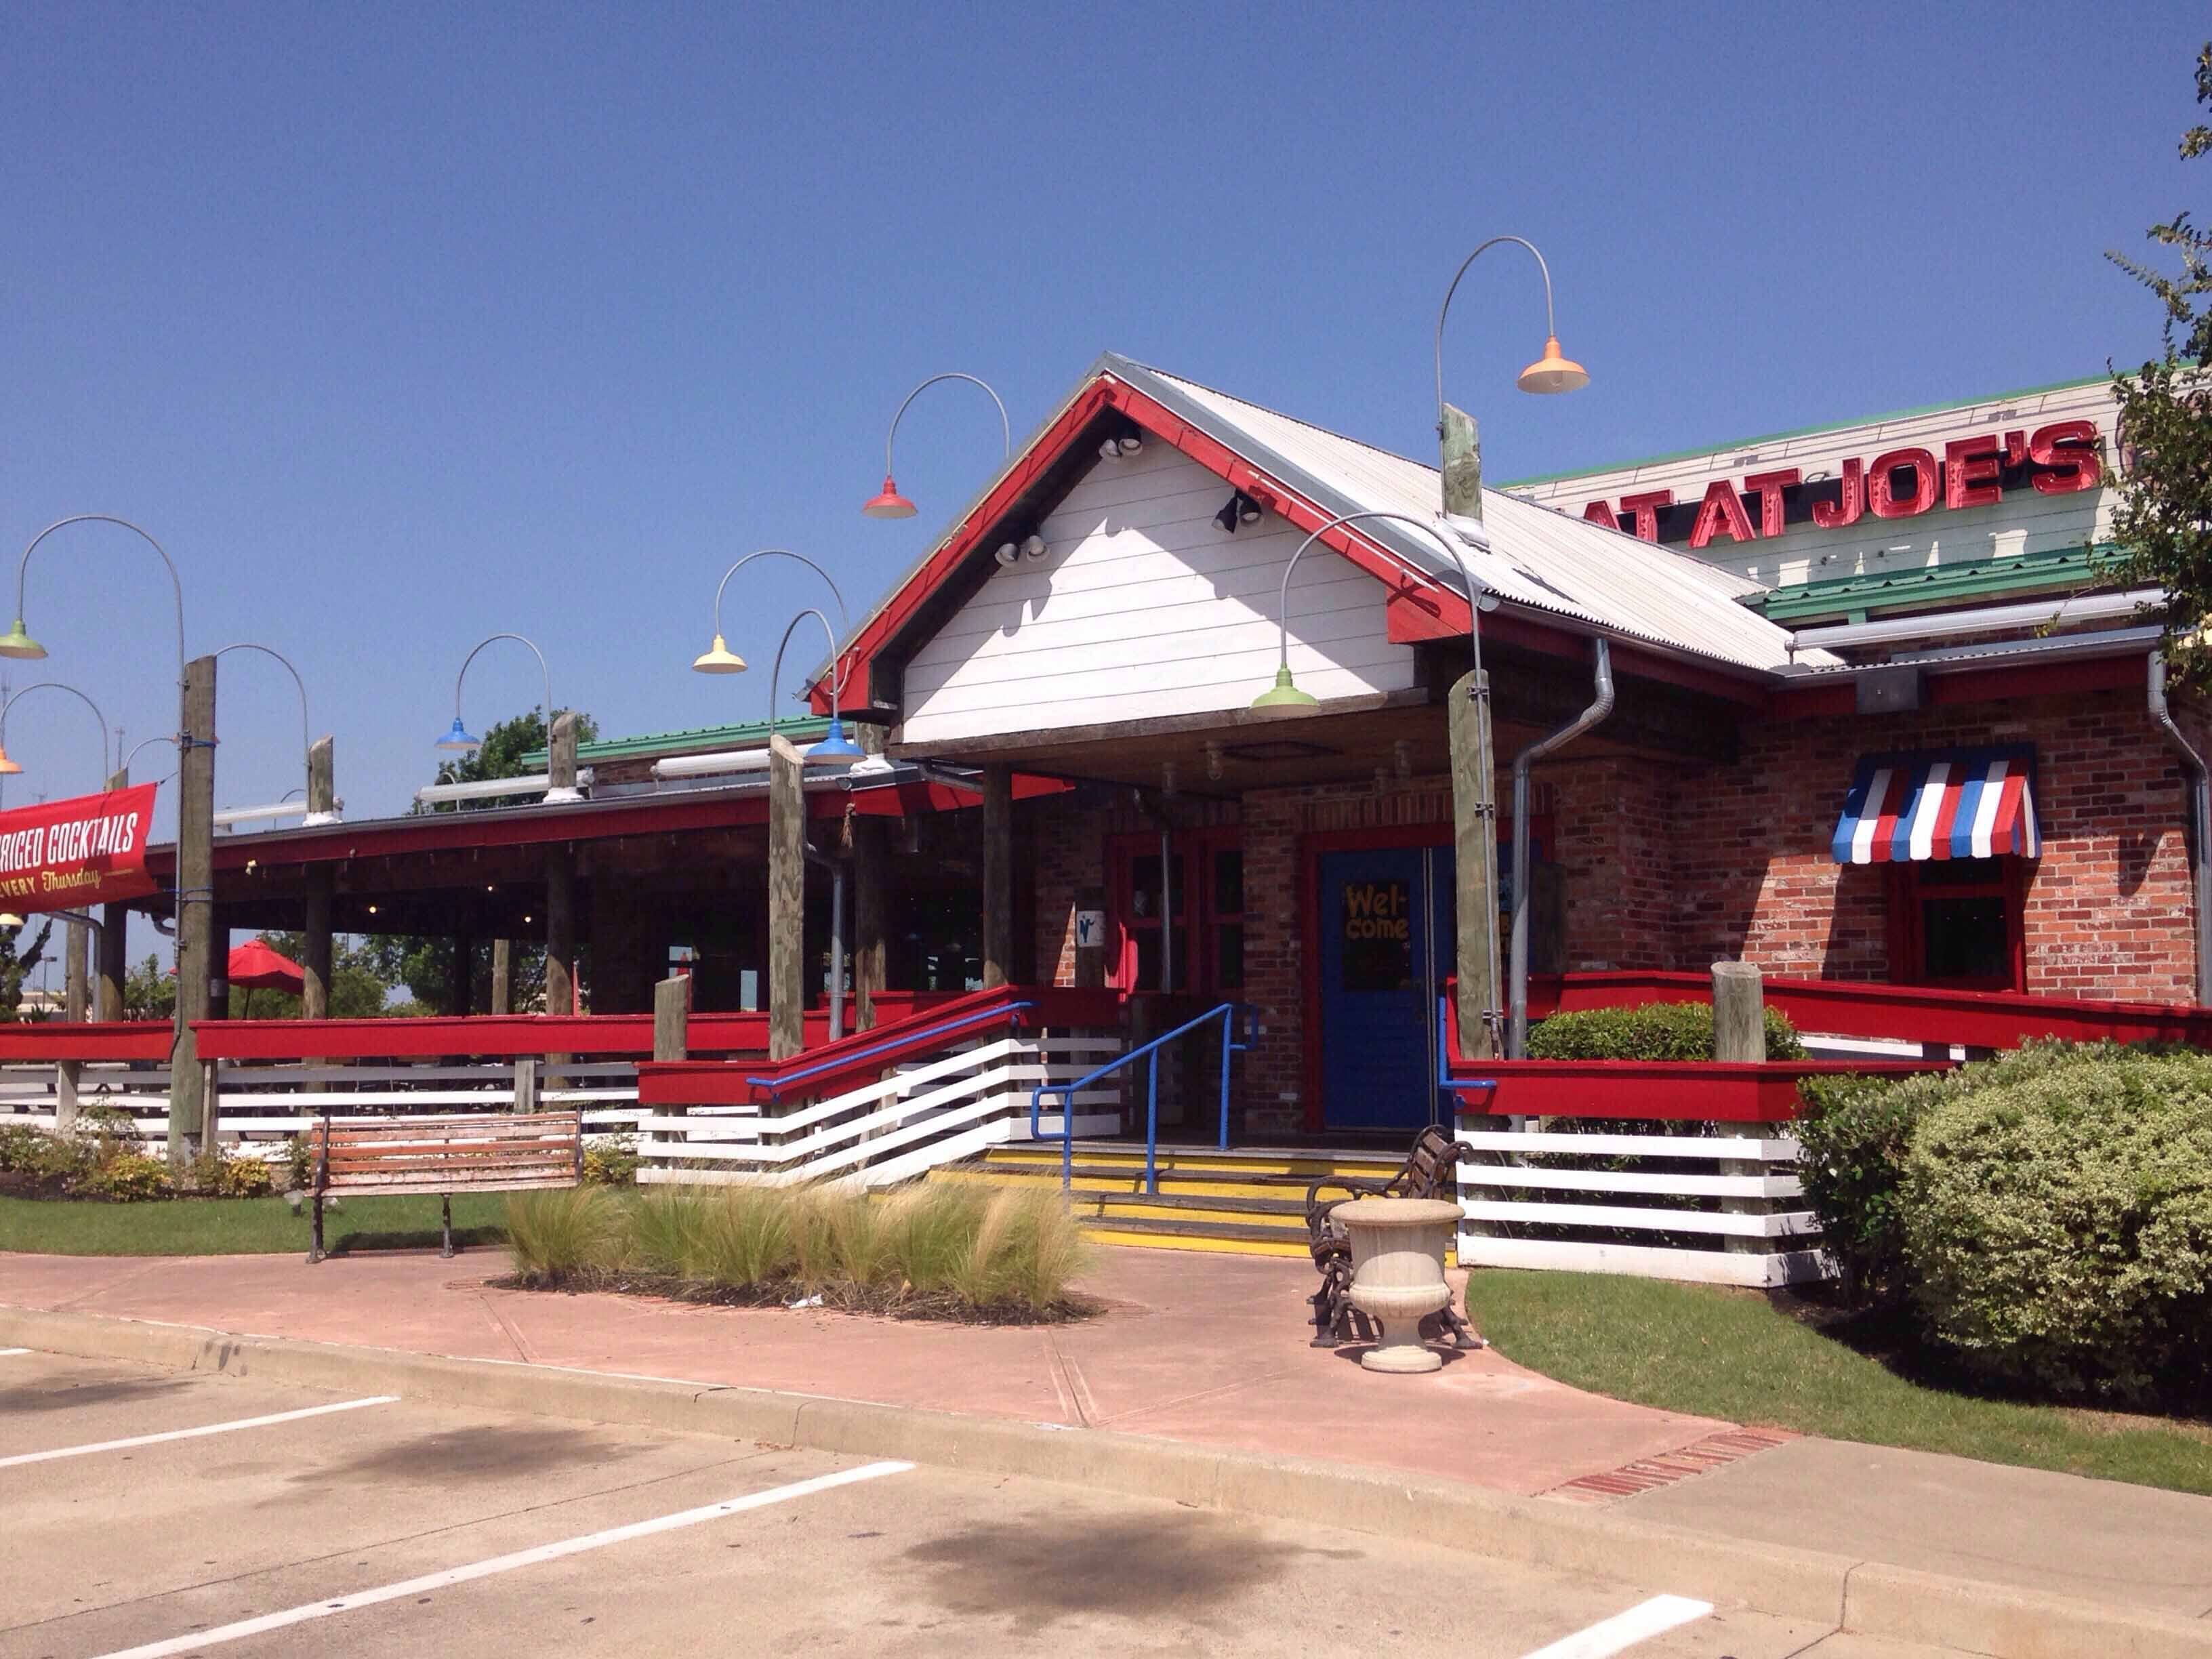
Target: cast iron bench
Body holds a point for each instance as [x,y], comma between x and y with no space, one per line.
[1427,1172]
[479,1153]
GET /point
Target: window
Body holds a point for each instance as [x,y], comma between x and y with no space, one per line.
[1957,922]
[1206,897]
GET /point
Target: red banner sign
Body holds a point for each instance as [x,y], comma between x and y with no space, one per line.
[65,854]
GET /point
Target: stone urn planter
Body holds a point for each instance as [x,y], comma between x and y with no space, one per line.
[1398,1274]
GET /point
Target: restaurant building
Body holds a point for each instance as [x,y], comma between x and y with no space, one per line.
[1878,713]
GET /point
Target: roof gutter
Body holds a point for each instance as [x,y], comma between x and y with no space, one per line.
[1986,619]
[2200,822]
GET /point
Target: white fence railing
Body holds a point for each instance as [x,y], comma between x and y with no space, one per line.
[259,1107]
[889,1130]
[1744,1223]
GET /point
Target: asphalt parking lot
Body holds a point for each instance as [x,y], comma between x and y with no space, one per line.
[147,1512]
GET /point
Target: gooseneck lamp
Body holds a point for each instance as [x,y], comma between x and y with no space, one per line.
[887,502]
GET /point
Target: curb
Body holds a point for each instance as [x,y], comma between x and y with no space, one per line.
[1867,1598]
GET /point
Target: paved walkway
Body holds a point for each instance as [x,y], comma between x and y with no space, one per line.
[1204,1348]
[1209,1349]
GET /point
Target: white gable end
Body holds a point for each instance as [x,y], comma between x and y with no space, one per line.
[1142,606]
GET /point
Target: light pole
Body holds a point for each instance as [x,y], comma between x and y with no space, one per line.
[457,738]
[321,786]
[195,894]
[887,503]
[1474,806]
[1474,863]
[77,966]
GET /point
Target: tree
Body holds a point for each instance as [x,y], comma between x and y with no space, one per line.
[15,968]
[149,992]
[2163,519]
[500,755]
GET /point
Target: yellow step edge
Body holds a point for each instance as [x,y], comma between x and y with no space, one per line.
[1165,1215]
[1173,1241]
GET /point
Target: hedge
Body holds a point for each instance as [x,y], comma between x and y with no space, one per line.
[1653,1030]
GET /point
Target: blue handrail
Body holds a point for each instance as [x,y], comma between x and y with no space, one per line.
[1226,1013]
[776,1085]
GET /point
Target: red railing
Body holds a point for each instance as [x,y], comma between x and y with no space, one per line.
[1692,1091]
[863,1056]
[1979,1019]
[498,1037]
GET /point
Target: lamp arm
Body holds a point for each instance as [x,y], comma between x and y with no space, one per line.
[1550,323]
[123,762]
[306,727]
[776,671]
[519,640]
[1005,427]
[56,686]
[1466,575]
[844,617]
[22,570]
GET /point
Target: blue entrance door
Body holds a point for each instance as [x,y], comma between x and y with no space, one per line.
[1386,946]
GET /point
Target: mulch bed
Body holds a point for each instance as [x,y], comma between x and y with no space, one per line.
[889,1301]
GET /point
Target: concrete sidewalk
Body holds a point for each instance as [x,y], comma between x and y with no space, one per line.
[1208,1352]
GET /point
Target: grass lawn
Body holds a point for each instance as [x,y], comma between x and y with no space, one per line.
[1734,1354]
[238,1227]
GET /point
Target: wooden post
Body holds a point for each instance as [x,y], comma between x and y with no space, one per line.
[560,935]
[1460,442]
[189,1113]
[1740,1034]
[872,878]
[786,900]
[502,976]
[460,991]
[525,1083]
[74,974]
[1475,860]
[322,887]
[561,754]
[998,874]
[114,960]
[671,1015]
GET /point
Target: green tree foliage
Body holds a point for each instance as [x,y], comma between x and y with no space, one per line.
[500,755]
[2163,520]
[16,964]
[148,993]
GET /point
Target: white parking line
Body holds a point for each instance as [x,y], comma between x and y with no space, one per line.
[497,1564]
[189,1434]
[1624,1630]
[7,1352]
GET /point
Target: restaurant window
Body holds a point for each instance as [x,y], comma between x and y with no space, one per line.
[1957,923]
[1203,908]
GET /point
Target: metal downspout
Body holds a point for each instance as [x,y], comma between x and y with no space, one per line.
[837,866]
[1516,1037]
[2199,824]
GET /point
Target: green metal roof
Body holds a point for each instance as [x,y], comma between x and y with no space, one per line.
[1800,432]
[1856,596]
[745,734]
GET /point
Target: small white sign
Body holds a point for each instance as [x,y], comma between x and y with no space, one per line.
[1090,929]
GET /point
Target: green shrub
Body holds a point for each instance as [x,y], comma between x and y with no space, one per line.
[611,1161]
[1653,1030]
[1854,1133]
[2058,1224]
[560,1235]
[127,1177]
[222,1174]
[22,1148]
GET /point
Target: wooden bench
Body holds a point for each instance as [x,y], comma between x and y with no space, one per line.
[485,1152]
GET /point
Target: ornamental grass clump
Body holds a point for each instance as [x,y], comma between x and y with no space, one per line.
[946,1247]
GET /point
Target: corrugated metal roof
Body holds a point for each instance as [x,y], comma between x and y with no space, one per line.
[1539,558]
[742,734]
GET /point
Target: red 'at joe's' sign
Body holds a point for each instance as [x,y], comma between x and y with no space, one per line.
[89,849]
[1899,483]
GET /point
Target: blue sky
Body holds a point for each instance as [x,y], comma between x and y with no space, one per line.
[403,324]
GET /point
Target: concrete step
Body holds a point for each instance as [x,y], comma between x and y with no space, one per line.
[1174,1209]
[1233,1237]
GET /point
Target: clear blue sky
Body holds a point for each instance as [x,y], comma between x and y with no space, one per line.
[398,330]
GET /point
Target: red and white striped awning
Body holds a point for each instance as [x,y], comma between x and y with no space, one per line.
[1939,804]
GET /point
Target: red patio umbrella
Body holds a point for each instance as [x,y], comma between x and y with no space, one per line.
[255,966]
